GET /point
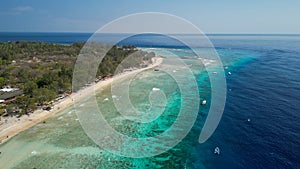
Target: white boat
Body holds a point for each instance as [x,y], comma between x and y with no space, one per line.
[155,89]
[217,151]
[203,102]
[229,73]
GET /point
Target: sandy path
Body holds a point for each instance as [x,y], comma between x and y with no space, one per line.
[14,125]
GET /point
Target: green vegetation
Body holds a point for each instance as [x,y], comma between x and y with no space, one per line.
[44,71]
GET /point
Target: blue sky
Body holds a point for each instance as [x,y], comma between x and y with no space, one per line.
[227,16]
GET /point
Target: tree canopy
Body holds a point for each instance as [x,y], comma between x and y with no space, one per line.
[43,71]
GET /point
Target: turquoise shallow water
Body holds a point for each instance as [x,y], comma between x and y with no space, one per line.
[62,143]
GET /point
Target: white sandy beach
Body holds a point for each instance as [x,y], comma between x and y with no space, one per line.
[10,126]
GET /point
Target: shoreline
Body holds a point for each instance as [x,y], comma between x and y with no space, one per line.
[17,125]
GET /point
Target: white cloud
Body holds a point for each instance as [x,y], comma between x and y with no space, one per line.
[22,9]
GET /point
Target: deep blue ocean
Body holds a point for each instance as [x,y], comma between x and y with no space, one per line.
[264,88]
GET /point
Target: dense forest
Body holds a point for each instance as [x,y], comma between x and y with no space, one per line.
[43,71]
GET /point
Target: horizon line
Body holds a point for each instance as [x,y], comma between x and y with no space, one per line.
[75,32]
